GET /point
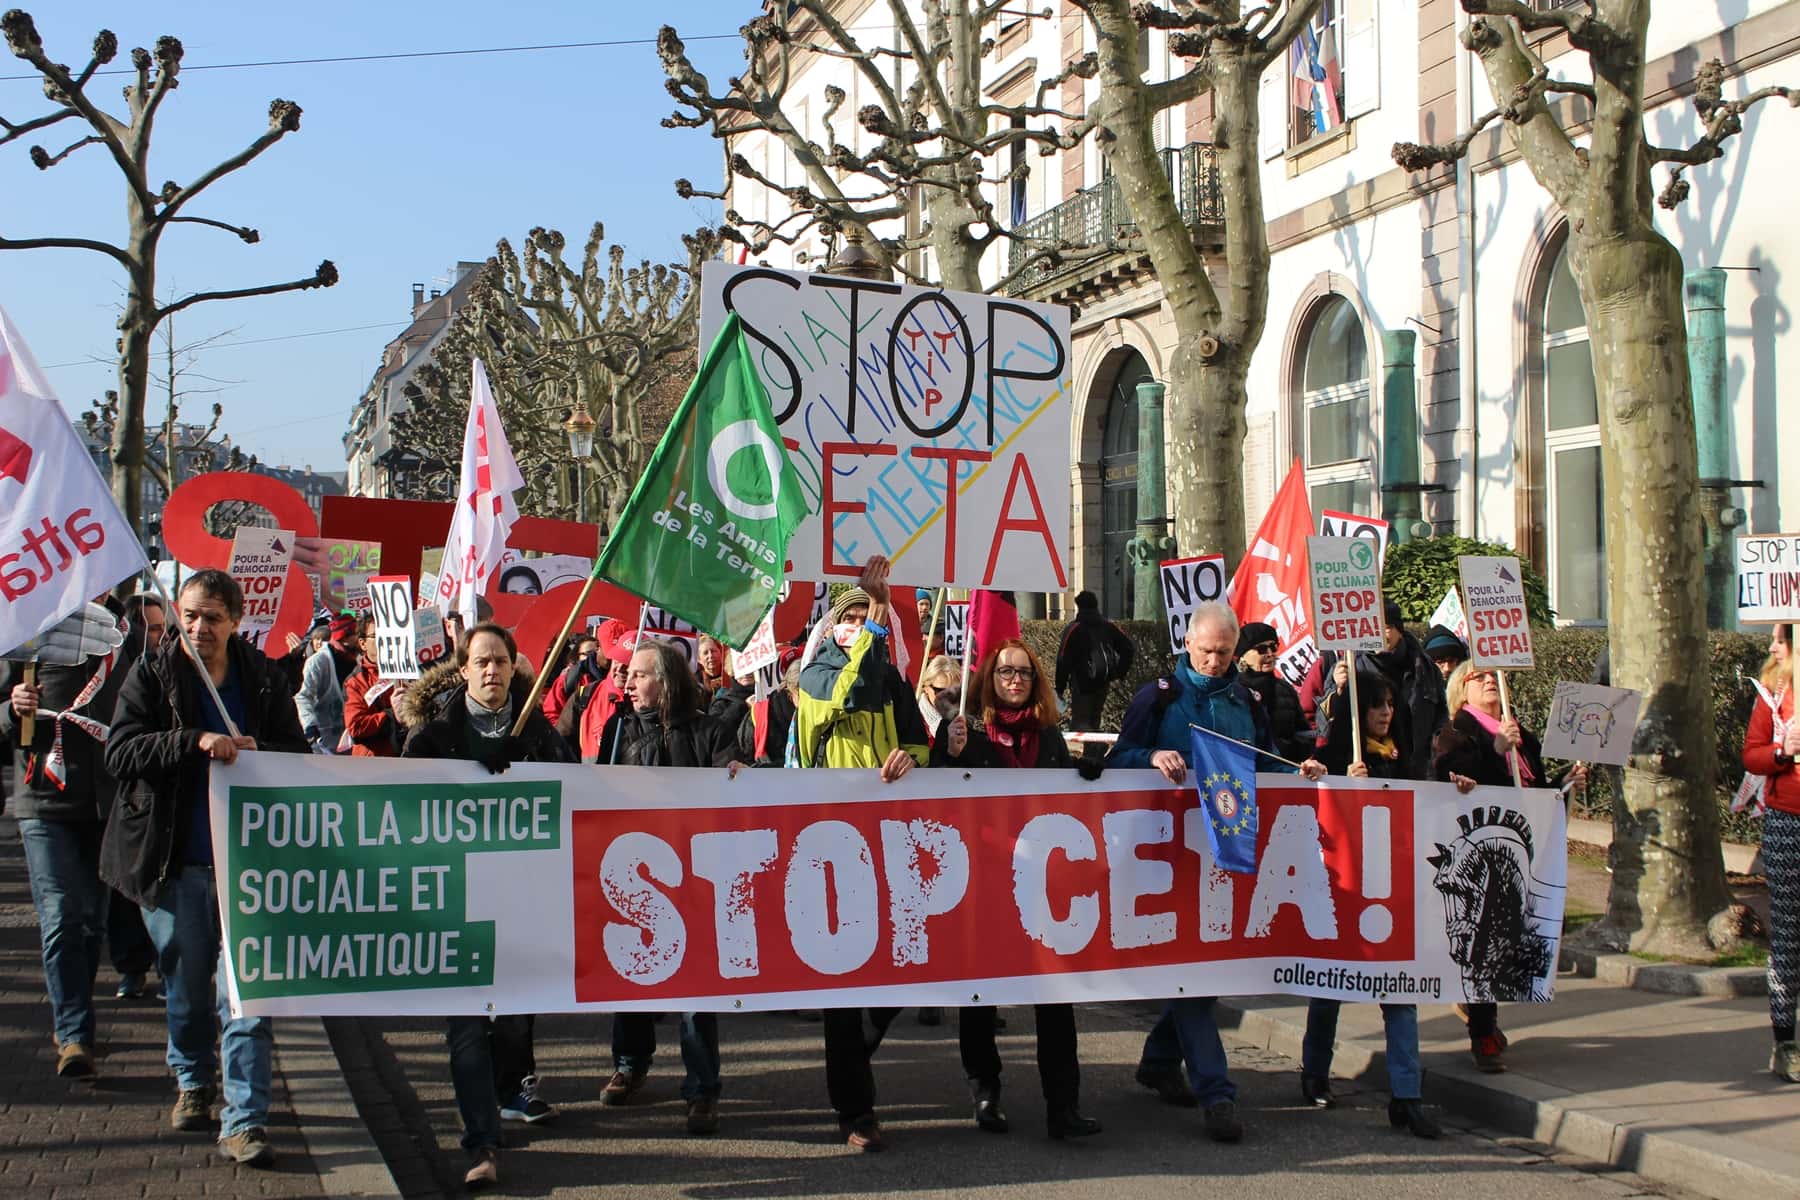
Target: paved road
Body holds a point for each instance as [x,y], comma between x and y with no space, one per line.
[777,1139]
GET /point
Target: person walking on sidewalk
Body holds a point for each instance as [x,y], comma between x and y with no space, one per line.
[474,721]
[855,710]
[1094,654]
[1018,728]
[127,941]
[1381,759]
[1771,746]
[167,732]
[61,796]
[1204,690]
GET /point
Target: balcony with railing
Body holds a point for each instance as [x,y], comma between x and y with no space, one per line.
[1099,215]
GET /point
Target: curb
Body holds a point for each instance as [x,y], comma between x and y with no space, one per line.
[1704,1163]
[1669,979]
[349,1164]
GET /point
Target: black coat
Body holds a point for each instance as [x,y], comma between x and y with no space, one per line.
[695,740]
[1336,756]
[447,733]
[1421,709]
[154,753]
[1288,726]
[1071,657]
[1465,748]
[1053,750]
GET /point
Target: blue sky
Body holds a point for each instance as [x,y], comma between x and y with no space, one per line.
[400,169]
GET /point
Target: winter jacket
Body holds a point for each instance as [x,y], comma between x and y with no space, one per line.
[1289,730]
[1077,641]
[434,716]
[1052,750]
[87,791]
[1336,756]
[1163,709]
[854,709]
[584,717]
[1782,792]
[691,740]
[1421,708]
[154,752]
[321,701]
[574,685]
[1465,748]
[374,733]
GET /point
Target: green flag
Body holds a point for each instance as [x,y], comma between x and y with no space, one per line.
[705,532]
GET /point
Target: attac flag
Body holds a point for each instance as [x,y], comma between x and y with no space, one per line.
[1271,584]
[1225,775]
[485,511]
[62,540]
[705,533]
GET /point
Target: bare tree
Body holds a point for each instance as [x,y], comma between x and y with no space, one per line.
[599,336]
[937,136]
[151,209]
[1218,320]
[1668,877]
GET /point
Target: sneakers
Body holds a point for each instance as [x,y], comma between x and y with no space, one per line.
[1168,1084]
[484,1170]
[621,1087]
[703,1116]
[1784,1062]
[862,1133]
[193,1110]
[75,1061]
[1223,1123]
[248,1147]
[525,1105]
[1488,1052]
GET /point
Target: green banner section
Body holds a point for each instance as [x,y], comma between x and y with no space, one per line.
[364,889]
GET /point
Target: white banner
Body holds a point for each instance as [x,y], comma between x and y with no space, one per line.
[1499,628]
[1449,614]
[393,886]
[1768,578]
[1346,594]
[259,563]
[1187,583]
[927,425]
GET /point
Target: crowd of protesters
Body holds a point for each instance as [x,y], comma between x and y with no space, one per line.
[117,835]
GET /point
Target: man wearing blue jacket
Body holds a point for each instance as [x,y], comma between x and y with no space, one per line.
[1204,690]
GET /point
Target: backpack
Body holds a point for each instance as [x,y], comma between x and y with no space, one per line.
[1099,664]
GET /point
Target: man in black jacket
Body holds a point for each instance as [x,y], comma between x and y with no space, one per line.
[167,732]
[1094,654]
[61,801]
[1257,647]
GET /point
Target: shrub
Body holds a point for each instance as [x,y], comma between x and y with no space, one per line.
[1416,575]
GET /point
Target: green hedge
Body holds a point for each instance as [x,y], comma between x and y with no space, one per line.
[1562,654]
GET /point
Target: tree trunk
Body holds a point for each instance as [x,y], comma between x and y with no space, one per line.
[128,427]
[1205,447]
[1668,873]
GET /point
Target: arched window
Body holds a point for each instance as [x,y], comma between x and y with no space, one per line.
[1118,483]
[1336,436]
[1573,492]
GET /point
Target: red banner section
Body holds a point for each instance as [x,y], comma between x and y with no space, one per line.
[791,898]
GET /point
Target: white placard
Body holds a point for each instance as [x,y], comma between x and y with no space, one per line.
[396,647]
[1449,614]
[1591,723]
[758,652]
[429,636]
[1768,578]
[1346,594]
[956,624]
[1187,583]
[522,576]
[1493,591]
[1337,524]
[259,563]
[891,393]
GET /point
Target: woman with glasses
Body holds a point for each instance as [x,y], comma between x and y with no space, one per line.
[1017,728]
[940,690]
[1479,747]
[1258,650]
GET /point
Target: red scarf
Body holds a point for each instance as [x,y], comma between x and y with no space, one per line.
[1014,735]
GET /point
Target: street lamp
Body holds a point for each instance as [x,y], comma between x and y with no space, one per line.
[580,428]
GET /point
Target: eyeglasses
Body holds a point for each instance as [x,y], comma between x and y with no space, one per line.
[1479,677]
[1266,647]
[1014,673]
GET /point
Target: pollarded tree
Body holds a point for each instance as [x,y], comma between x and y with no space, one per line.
[151,209]
[599,336]
[1668,878]
[935,133]
[1218,321]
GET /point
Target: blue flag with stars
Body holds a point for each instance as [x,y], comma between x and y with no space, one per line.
[1225,774]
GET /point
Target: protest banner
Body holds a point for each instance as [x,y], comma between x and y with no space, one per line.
[1493,590]
[1346,594]
[1768,578]
[1270,584]
[758,652]
[391,886]
[1188,583]
[430,637]
[1590,723]
[396,645]
[259,563]
[522,575]
[1449,614]
[356,592]
[905,407]
[1374,529]
[329,562]
[956,626]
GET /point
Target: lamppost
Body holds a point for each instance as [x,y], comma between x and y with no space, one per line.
[580,428]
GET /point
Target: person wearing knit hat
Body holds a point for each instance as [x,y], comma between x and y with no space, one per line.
[1445,649]
[1257,647]
[849,598]
[320,700]
[1418,683]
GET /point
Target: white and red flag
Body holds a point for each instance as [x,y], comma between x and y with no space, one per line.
[1273,584]
[485,511]
[62,539]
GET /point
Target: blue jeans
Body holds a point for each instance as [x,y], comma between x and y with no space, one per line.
[634,1046]
[63,859]
[1402,1024]
[1187,1032]
[473,1050]
[189,952]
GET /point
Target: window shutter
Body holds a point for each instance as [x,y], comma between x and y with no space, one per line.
[1361,59]
[1272,109]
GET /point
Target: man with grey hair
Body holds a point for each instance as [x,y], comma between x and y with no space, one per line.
[1204,690]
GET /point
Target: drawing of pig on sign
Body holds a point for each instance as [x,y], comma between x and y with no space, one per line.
[926,425]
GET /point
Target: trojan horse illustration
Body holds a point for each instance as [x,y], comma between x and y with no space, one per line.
[1502,922]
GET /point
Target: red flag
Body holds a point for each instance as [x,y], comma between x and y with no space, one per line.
[1271,584]
[993,618]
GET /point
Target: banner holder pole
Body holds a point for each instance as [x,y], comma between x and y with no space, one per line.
[556,649]
[612,760]
[962,698]
[1356,745]
[212,689]
[937,607]
[1512,756]
[28,722]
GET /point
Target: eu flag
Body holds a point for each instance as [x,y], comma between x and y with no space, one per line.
[1225,775]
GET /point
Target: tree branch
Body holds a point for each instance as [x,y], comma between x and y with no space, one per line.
[325,276]
[284,118]
[62,243]
[1721,120]
[243,232]
[43,160]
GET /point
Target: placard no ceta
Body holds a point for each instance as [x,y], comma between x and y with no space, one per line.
[927,425]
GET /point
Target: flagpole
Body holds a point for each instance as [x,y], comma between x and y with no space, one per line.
[1355,716]
[543,676]
[643,614]
[1512,756]
[962,699]
[187,644]
[1246,745]
[937,607]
